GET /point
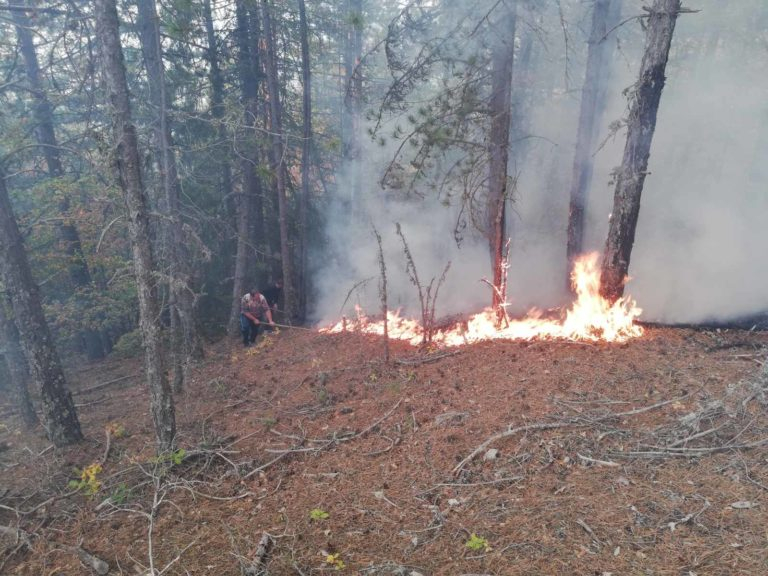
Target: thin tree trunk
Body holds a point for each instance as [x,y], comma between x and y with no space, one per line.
[278,160]
[17,368]
[45,134]
[186,344]
[59,414]
[353,89]
[641,125]
[306,159]
[502,60]
[129,173]
[249,70]
[604,18]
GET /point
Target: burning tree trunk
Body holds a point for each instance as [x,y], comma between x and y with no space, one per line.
[249,70]
[278,160]
[17,367]
[604,18]
[306,160]
[129,173]
[641,125]
[184,339]
[502,59]
[45,134]
[59,414]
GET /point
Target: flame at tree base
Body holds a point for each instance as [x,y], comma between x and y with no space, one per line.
[590,318]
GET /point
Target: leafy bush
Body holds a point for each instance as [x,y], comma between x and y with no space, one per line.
[129,345]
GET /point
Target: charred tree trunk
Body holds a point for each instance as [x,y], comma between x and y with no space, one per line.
[502,59]
[249,70]
[641,125]
[604,18]
[185,342]
[17,368]
[129,174]
[45,134]
[306,159]
[278,159]
[59,414]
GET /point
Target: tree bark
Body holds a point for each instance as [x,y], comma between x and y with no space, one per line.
[185,342]
[278,160]
[353,91]
[604,18]
[59,414]
[217,96]
[502,59]
[250,198]
[17,368]
[306,159]
[641,125]
[129,174]
[45,134]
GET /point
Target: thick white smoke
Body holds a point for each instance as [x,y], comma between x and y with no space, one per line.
[698,253]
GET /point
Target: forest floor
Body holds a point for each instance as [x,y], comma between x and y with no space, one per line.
[649,458]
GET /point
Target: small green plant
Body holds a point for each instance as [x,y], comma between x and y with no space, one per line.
[322,395]
[177,457]
[318,514]
[88,481]
[478,543]
[115,429]
[120,495]
[174,458]
[335,561]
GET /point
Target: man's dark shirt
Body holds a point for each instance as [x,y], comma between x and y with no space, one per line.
[272,294]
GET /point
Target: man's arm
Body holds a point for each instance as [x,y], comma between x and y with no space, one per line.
[269,316]
[252,318]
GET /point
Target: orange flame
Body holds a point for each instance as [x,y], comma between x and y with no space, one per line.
[590,318]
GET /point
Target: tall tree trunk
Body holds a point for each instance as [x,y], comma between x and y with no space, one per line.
[45,134]
[604,18]
[185,342]
[129,173]
[59,414]
[502,59]
[17,367]
[278,160]
[250,198]
[306,159]
[641,125]
[353,92]
[217,96]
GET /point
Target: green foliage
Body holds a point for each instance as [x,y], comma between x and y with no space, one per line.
[88,480]
[173,458]
[477,543]
[318,514]
[335,561]
[121,494]
[129,345]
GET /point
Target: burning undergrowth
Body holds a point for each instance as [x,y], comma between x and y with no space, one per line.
[589,318]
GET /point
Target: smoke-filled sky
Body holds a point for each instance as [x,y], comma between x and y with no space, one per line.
[700,246]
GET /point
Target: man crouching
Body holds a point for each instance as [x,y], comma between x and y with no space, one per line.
[254,310]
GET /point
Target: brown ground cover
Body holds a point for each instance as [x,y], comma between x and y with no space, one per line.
[649,460]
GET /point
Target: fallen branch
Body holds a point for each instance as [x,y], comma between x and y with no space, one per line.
[103,385]
[575,423]
[262,551]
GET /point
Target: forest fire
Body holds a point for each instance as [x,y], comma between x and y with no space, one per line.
[589,318]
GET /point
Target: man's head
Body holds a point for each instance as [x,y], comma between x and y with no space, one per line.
[254,291]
